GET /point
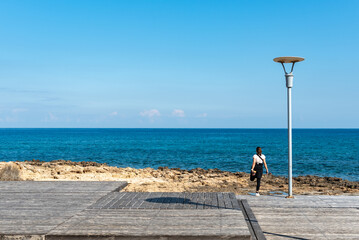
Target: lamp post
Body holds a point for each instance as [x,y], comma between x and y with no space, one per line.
[289,83]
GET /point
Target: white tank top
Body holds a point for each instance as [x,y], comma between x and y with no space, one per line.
[258,159]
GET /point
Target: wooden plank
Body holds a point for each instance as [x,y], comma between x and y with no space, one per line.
[221,203]
[140,199]
[200,200]
[113,201]
[135,199]
[156,202]
[160,201]
[60,186]
[214,203]
[164,200]
[183,198]
[122,199]
[125,204]
[180,200]
[246,218]
[104,200]
[207,201]
[193,201]
[247,211]
[234,201]
[143,203]
[147,204]
[170,200]
[175,197]
[121,186]
[227,201]
[187,200]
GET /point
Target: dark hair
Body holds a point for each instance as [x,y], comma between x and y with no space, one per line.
[259,150]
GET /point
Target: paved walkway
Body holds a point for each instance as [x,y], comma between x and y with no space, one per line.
[306,217]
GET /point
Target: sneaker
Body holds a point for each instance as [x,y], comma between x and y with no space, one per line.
[257,194]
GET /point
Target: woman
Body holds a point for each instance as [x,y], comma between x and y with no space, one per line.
[257,168]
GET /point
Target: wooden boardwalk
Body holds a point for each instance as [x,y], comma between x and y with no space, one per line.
[97,210]
[167,200]
[154,224]
[306,217]
[35,208]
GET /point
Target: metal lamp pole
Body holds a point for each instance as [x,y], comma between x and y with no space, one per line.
[289,84]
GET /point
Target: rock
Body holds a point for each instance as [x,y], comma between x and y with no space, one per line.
[240,174]
[47,164]
[175,179]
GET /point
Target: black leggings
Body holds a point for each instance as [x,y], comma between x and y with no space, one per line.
[259,169]
[258,184]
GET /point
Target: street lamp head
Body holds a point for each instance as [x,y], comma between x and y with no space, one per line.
[288,59]
[292,60]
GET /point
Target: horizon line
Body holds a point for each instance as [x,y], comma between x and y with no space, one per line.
[163,128]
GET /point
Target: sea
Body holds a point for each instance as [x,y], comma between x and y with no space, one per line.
[321,152]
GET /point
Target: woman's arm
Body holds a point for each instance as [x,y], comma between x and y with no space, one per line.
[253,164]
[265,165]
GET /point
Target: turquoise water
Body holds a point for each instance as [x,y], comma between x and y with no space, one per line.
[322,152]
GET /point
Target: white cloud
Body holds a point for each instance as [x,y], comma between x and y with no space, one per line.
[150,113]
[18,110]
[11,119]
[50,117]
[113,114]
[178,113]
[202,115]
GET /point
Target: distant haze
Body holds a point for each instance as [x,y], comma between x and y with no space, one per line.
[177,64]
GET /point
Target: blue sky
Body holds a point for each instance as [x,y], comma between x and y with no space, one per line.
[177,64]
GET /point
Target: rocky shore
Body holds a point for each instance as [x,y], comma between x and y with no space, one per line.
[166,179]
